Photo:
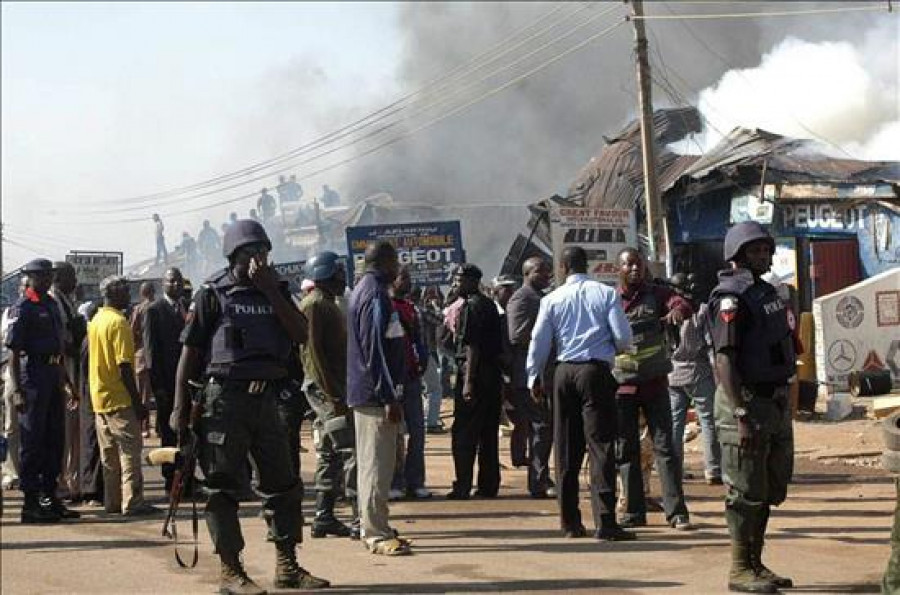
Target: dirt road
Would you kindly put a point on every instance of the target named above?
(832, 536)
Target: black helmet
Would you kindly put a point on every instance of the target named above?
(322, 266)
(742, 234)
(243, 232)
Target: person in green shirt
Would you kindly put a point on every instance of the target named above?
(325, 364)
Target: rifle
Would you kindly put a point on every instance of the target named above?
(185, 460)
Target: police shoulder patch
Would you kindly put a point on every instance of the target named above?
(728, 304)
(728, 307)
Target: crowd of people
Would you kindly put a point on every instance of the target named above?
(579, 371)
(200, 255)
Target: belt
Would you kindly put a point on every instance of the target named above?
(43, 358)
(586, 362)
(253, 387)
(766, 391)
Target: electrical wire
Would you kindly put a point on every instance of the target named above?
(432, 86)
(37, 231)
(754, 15)
(699, 39)
(444, 98)
(408, 133)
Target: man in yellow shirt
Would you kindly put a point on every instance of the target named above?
(116, 402)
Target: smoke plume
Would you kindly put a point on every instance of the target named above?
(842, 93)
(837, 74)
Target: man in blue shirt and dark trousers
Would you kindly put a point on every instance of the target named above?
(585, 320)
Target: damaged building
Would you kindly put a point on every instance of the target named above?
(836, 220)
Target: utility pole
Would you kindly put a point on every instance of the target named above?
(656, 220)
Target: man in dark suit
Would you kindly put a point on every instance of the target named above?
(532, 420)
(163, 323)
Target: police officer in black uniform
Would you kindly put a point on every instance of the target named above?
(35, 342)
(242, 324)
(755, 358)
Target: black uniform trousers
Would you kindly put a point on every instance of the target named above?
(585, 418)
(235, 423)
(292, 407)
(42, 427)
(476, 424)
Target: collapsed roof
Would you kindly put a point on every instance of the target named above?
(614, 177)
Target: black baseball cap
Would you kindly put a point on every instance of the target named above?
(469, 270)
(38, 265)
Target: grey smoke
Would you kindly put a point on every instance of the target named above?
(529, 142)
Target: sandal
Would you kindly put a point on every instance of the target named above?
(391, 547)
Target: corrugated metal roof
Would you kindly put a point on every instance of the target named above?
(614, 178)
(787, 160)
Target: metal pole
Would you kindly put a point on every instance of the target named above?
(656, 243)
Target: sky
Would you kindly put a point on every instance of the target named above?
(109, 100)
(104, 103)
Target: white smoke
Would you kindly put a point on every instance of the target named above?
(843, 94)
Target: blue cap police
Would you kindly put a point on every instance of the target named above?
(38, 265)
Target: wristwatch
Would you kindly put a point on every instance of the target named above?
(740, 413)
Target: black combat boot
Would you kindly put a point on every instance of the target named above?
(289, 574)
(234, 579)
(757, 542)
(33, 512)
(55, 506)
(325, 523)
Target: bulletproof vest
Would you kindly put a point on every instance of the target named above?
(649, 357)
(766, 353)
(249, 341)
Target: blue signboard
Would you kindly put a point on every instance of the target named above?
(292, 272)
(429, 249)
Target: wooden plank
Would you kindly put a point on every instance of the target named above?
(884, 406)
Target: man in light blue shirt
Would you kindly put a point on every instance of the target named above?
(586, 322)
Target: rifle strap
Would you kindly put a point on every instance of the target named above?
(195, 530)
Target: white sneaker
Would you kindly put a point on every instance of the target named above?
(421, 493)
(395, 495)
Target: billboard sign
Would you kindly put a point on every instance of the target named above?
(429, 249)
(93, 267)
(601, 232)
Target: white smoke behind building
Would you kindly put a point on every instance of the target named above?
(842, 93)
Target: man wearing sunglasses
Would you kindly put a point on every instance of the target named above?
(243, 324)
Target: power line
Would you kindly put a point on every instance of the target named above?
(444, 98)
(699, 39)
(430, 87)
(407, 133)
(51, 235)
(753, 15)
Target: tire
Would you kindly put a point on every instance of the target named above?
(890, 431)
(890, 460)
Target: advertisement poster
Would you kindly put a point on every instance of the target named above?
(858, 328)
(784, 261)
(601, 232)
(92, 267)
(429, 249)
